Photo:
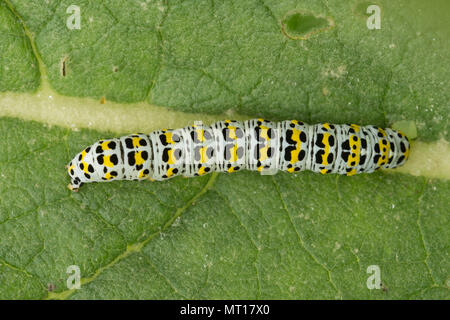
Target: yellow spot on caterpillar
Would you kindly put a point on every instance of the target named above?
(105, 145)
(136, 142)
(355, 127)
(201, 171)
(169, 137)
(108, 176)
(233, 154)
(295, 153)
(355, 148)
(263, 153)
(325, 141)
(107, 161)
(231, 130)
(172, 159)
(85, 165)
(71, 168)
(231, 169)
(384, 149)
(169, 172)
(200, 134)
(138, 158)
(142, 174)
(263, 133)
(203, 156)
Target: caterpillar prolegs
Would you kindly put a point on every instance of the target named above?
(230, 146)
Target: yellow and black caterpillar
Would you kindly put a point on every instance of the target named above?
(229, 146)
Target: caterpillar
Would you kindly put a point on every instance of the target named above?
(230, 146)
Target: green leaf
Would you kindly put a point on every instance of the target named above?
(220, 236)
(18, 66)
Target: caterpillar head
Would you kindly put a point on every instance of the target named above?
(101, 161)
(126, 158)
(78, 169)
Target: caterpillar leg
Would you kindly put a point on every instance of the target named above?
(73, 188)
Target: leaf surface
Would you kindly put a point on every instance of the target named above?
(301, 236)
